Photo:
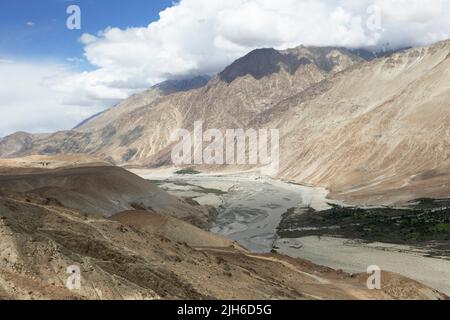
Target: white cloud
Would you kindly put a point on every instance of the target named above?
(201, 37)
(30, 23)
(30, 100)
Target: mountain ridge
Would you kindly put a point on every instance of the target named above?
(142, 253)
(313, 95)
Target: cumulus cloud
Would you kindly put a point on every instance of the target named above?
(201, 37)
(30, 100)
(195, 37)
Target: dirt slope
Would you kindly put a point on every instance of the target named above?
(373, 132)
(119, 261)
(172, 228)
(379, 131)
(101, 190)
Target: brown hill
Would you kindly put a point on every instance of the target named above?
(148, 258)
(101, 190)
(172, 228)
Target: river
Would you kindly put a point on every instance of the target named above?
(250, 209)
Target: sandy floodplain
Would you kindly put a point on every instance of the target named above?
(250, 209)
(355, 256)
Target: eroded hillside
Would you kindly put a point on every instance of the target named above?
(373, 132)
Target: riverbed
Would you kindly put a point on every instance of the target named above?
(250, 209)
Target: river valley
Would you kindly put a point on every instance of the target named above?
(250, 209)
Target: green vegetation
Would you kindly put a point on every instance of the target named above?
(208, 190)
(424, 223)
(200, 189)
(187, 171)
(442, 228)
(427, 203)
(194, 188)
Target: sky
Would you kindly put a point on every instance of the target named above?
(35, 29)
(52, 77)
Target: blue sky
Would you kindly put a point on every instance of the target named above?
(36, 29)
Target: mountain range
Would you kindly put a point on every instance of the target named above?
(373, 130)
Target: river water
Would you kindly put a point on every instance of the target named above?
(250, 210)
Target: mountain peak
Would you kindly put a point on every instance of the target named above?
(260, 63)
(173, 86)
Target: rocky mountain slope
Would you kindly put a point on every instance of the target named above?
(371, 131)
(139, 128)
(141, 99)
(380, 129)
(145, 254)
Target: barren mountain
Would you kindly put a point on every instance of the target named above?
(145, 254)
(375, 133)
(371, 131)
(139, 100)
(139, 128)
(93, 188)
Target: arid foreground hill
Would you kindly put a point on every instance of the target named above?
(129, 242)
(373, 131)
